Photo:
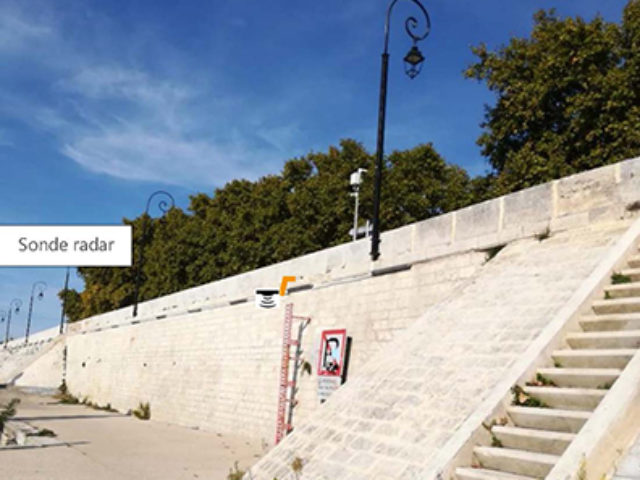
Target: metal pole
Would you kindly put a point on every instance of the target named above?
(296, 362)
(382, 106)
(64, 301)
(42, 286)
(6, 335)
(410, 25)
(26, 334)
(136, 291)
(355, 216)
(15, 303)
(164, 206)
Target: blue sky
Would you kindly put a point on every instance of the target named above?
(103, 102)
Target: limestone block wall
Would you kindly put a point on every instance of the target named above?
(45, 369)
(19, 355)
(207, 357)
(392, 419)
(218, 369)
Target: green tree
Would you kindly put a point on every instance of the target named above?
(419, 184)
(73, 306)
(568, 98)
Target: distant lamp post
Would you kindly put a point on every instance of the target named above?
(413, 64)
(165, 203)
(64, 301)
(356, 180)
(40, 287)
(15, 304)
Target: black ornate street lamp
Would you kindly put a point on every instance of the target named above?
(164, 205)
(41, 287)
(16, 303)
(64, 301)
(413, 64)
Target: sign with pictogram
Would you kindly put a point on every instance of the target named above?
(332, 353)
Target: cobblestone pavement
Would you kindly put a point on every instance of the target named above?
(99, 445)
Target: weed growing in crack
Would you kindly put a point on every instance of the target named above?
(7, 411)
(143, 412)
(618, 278)
(541, 381)
(495, 441)
(523, 399)
(235, 473)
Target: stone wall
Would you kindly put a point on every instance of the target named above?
(219, 369)
(207, 357)
(19, 355)
(406, 404)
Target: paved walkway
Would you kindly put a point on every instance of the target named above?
(107, 446)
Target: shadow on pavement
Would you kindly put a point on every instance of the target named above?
(38, 447)
(66, 417)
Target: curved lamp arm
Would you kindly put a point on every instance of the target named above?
(41, 286)
(410, 25)
(164, 204)
(16, 304)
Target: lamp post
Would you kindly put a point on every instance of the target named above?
(16, 303)
(41, 287)
(64, 301)
(164, 205)
(413, 64)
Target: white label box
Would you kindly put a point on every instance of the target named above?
(65, 245)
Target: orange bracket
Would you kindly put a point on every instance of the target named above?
(283, 284)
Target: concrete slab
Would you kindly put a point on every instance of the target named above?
(111, 446)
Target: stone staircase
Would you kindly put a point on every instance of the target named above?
(547, 413)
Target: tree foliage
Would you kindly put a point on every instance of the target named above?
(568, 98)
(246, 225)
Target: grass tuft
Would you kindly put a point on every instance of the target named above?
(618, 278)
(235, 473)
(143, 412)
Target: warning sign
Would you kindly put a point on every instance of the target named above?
(332, 353)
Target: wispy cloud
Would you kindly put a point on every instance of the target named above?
(17, 33)
(115, 82)
(120, 118)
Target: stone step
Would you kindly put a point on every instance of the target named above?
(606, 340)
(634, 262)
(568, 398)
(598, 358)
(557, 420)
(616, 305)
(621, 321)
(483, 474)
(633, 273)
(519, 462)
(581, 377)
(529, 439)
(623, 290)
